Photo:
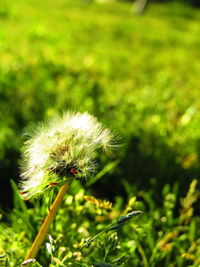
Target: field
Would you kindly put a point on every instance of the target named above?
(140, 76)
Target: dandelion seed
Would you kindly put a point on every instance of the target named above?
(22, 193)
(53, 184)
(63, 148)
(73, 171)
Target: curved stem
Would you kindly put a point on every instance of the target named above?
(45, 227)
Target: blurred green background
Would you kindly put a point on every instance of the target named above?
(138, 72)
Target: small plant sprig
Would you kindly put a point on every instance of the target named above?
(119, 223)
(59, 152)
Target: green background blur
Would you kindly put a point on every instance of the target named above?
(138, 74)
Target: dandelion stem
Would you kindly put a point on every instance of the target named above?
(45, 227)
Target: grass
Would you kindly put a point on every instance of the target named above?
(140, 76)
(159, 236)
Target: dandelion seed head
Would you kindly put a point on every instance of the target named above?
(62, 148)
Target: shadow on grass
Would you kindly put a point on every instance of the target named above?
(146, 167)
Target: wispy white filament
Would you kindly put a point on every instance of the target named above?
(62, 148)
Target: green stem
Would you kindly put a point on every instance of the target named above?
(142, 253)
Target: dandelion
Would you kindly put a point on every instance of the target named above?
(62, 149)
(58, 152)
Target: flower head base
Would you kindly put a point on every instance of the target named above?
(63, 148)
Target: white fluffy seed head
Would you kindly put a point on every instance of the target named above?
(62, 148)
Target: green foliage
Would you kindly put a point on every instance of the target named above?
(158, 237)
(131, 72)
(140, 76)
